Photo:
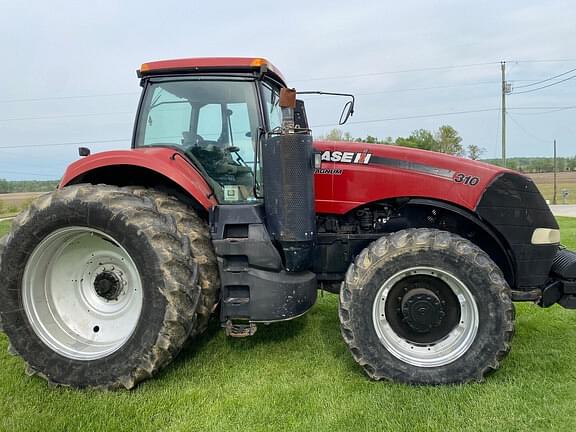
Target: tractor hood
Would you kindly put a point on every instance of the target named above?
(353, 174)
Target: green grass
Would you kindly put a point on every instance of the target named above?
(9, 210)
(547, 190)
(299, 376)
(4, 227)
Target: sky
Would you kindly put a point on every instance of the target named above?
(68, 75)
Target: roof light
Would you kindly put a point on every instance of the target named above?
(257, 62)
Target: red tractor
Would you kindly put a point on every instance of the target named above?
(224, 203)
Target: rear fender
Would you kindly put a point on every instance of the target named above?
(153, 167)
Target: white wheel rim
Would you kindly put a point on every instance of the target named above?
(442, 352)
(60, 297)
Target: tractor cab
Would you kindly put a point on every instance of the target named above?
(218, 119)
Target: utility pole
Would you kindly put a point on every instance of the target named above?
(555, 170)
(506, 89)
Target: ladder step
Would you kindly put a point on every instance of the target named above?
(239, 330)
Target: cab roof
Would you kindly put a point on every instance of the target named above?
(210, 64)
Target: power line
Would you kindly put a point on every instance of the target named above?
(568, 60)
(65, 143)
(547, 79)
(546, 86)
(549, 111)
(449, 113)
(422, 69)
(526, 131)
(65, 116)
(401, 71)
(441, 114)
(4, 101)
(431, 68)
(412, 89)
(542, 107)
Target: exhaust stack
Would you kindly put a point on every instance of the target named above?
(288, 174)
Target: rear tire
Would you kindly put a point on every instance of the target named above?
(196, 229)
(97, 287)
(423, 306)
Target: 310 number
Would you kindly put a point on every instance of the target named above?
(466, 179)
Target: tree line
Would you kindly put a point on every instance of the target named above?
(7, 186)
(445, 140)
(537, 164)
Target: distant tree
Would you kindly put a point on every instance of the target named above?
(421, 138)
(445, 140)
(513, 165)
(448, 141)
(338, 135)
(4, 186)
(334, 135)
(474, 152)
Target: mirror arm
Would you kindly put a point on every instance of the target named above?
(351, 102)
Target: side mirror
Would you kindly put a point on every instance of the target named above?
(287, 103)
(83, 151)
(300, 118)
(347, 112)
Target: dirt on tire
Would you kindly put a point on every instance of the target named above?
(197, 231)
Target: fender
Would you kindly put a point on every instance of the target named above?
(509, 266)
(166, 162)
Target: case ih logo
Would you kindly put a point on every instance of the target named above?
(346, 157)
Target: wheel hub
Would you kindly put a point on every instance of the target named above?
(422, 310)
(108, 286)
(425, 316)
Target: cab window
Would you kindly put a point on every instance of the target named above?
(215, 123)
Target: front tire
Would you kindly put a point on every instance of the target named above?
(98, 288)
(423, 306)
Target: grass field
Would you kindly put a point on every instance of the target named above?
(12, 203)
(299, 376)
(565, 181)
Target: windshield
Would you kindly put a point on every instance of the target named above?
(214, 122)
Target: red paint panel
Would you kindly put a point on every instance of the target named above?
(397, 172)
(156, 159)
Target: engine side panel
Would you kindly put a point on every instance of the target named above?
(353, 174)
